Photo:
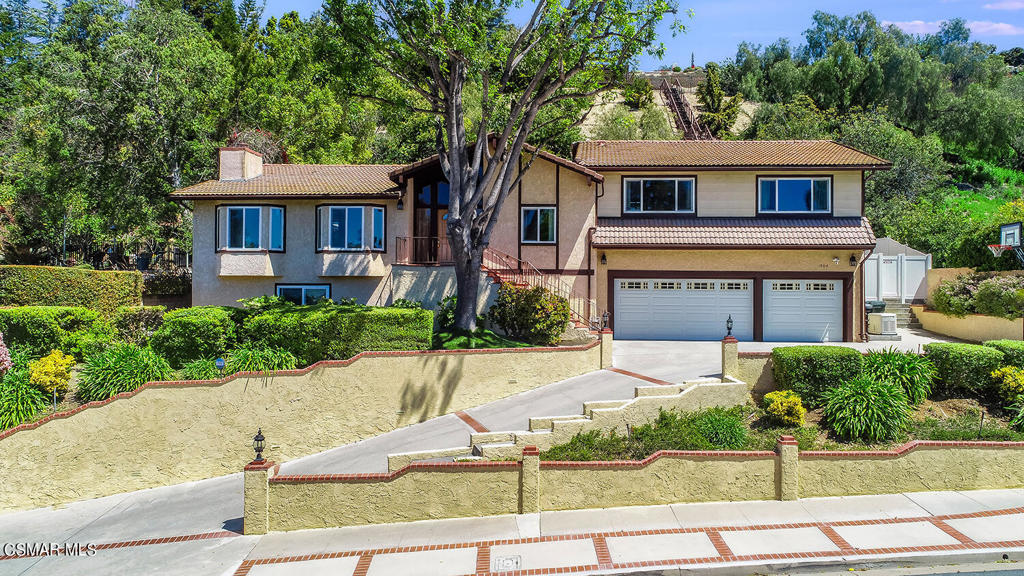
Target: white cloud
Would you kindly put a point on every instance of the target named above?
(980, 27)
(1006, 5)
(915, 26)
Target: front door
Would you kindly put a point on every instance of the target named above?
(429, 224)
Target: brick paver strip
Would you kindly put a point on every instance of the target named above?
(713, 533)
(483, 560)
(363, 566)
(960, 536)
(147, 542)
(471, 422)
(604, 557)
(640, 376)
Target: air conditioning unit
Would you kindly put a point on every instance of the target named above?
(881, 323)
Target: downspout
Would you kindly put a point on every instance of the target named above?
(865, 254)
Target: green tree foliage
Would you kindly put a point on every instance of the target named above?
(619, 123)
(717, 112)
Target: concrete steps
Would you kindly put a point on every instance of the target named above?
(904, 314)
(604, 415)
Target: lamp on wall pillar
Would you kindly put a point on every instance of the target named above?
(258, 445)
(604, 258)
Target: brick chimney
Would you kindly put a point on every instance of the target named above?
(240, 163)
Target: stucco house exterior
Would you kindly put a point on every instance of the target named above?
(671, 238)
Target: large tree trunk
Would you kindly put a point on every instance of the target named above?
(467, 278)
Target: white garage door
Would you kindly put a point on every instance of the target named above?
(685, 309)
(803, 310)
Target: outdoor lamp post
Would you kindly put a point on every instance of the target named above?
(728, 326)
(258, 443)
(220, 366)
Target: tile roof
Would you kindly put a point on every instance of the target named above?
(529, 150)
(734, 232)
(302, 181)
(724, 154)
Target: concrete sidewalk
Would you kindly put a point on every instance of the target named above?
(759, 536)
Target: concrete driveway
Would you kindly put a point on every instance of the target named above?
(673, 361)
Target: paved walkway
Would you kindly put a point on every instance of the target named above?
(760, 536)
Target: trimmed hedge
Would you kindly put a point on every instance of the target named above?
(40, 329)
(1012, 349)
(105, 291)
(961, 368)
(328, 331)
(189, 334)
(811, 371)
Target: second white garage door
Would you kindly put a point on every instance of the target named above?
(683, 309)
(803, 310)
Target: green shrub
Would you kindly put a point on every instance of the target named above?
(530, 313)
(1000, 296)
(136, 324)
(20, 401)
(784, 408)
(251, 358)
(913, 372)
(104, 291)
(175, 282)
(403, 303)
(955, 297)
(445, 313)
(811, 371)
(329, 331)
(52, 373)
(482, 338)
(709, 429)
(188, 334)
(867, 409)
(200, 370)
(40, 329)
(590, 446)
(121, 368)
(963, 368)
(1010, 382)
(1013, 351)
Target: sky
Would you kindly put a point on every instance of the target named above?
(717, 27)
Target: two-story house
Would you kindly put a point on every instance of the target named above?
(671, 238)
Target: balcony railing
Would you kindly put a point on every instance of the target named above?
(424, 250)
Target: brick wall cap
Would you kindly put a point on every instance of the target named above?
(264, 465)
(531, 451)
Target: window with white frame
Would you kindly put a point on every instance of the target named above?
(539, 225)
(250, 228)
(304, 293)
(794, 195)
(658, 195)
(350, 228)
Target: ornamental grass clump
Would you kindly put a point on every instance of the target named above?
(20, 401)
(259, 359)
(200, 370)
(121, 368)
(913, 372)
(868, 410)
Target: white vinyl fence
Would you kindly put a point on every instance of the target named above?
(896, 277)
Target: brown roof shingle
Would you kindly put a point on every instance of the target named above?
(302, 181)
(734, 232)
(724, 154)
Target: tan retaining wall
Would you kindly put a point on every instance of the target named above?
(170, 432)
(755, 368)
(974, 327)
(432, 491)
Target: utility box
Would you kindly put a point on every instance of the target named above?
(880, 323)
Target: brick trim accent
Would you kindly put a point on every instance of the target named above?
(604, 557)
(960, 536)
(907, 448)
(363, 566)
(471, 422)
(483, 559)
(296, 372)
(254, 465)
(148, 542)
(635, 464)
(719, 543)
(836, 539)
(531, 451)
(657, 381)
(388, 476)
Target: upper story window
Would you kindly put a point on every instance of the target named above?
(350, 227)
(794, 195)
(658, 195)
(250, 228)
(539, 225)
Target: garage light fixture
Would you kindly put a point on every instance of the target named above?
(604, 258)
(853, 260)
(835, 260)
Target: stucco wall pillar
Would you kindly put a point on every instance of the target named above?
(788, 468)
(730, 357)
(529, 481)
(606, 348)
(256, 497)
